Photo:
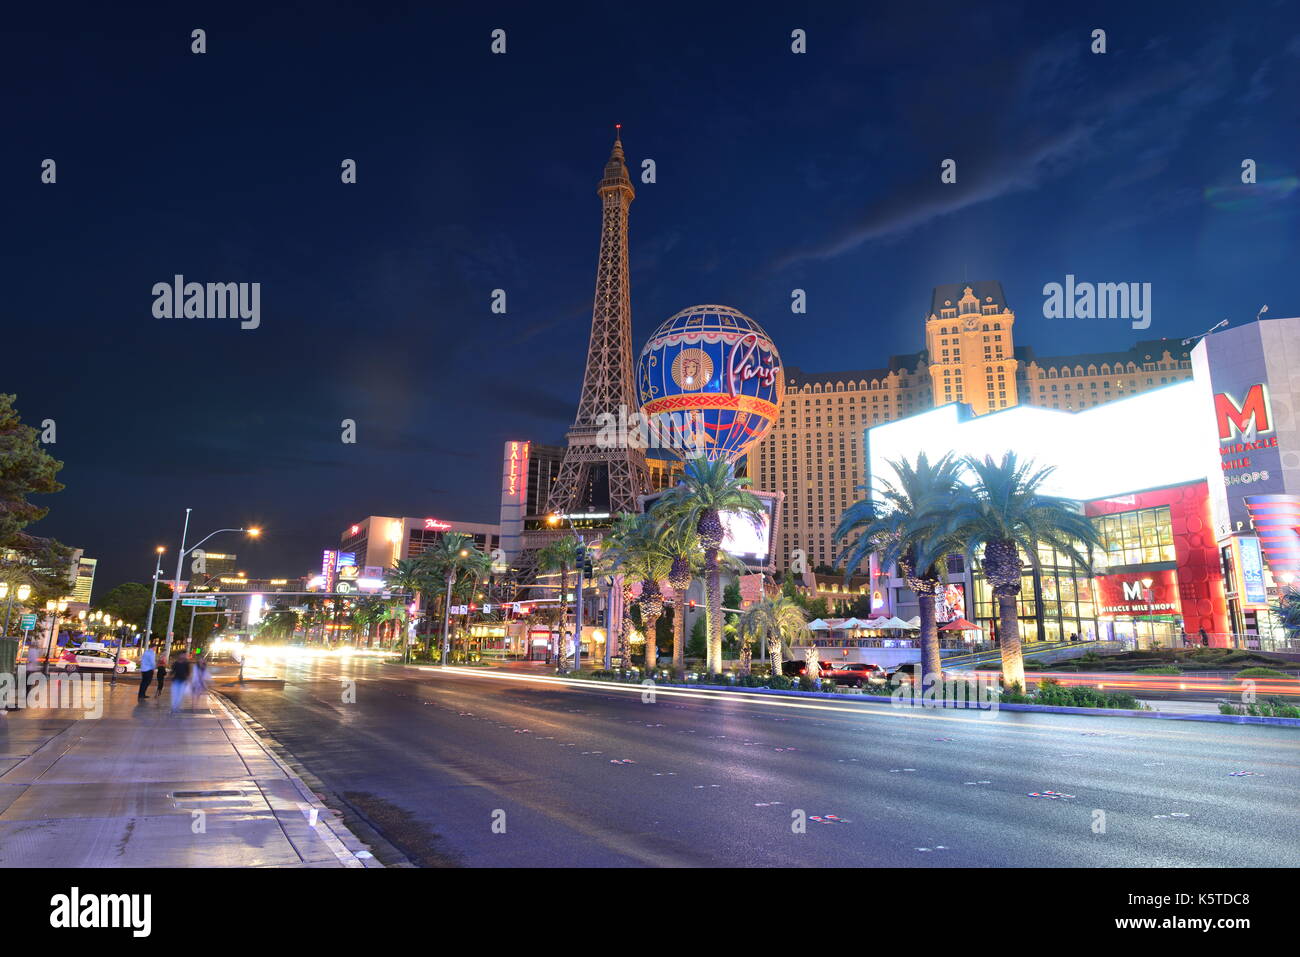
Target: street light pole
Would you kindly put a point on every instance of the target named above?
(180, 559)
(176, 582)
(577, 614)
(153, 594)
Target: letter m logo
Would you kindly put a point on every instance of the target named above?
(1132, 591)
(1252, 417)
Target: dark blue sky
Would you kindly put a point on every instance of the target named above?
(476, 171)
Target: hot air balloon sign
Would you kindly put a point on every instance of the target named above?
(709, 383)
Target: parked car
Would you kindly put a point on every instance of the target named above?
(857, 674)
(799, 668)
(95, 659)
(906, 674)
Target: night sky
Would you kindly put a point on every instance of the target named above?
(477, 171)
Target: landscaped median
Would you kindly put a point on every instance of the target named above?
(1089, 701)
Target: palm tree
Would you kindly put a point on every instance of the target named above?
(365, 615)
(614, 551)
(1004, 511)
(408, 577)
(278, 624)
(455, 558)
(636, 549)
(905, 525)
(707, 491)
(774, 623)
(561, 556)
(681, 544)
(1287, 611)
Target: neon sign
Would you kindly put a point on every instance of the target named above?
(517, 472)
(435, 524)
(748, 364)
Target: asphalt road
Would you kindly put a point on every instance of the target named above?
(599, 778)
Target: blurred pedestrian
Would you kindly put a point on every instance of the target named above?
(33, 662)
(162, 667)
(148, 662)
(199, 678)
(180, 679)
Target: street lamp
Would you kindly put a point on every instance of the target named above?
(55, 608)
(153, 592)
(180, 558)
(23, 592)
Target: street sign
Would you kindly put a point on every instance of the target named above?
(27, 622)
(200, 602)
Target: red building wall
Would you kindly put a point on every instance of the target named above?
(1200, 578)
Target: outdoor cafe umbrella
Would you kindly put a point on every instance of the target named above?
(960, 624)
(897, 623)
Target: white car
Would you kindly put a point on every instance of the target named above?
(94, 659)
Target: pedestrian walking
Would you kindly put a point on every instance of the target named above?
(162, 668)
(180, 679)
(199, 679)
(148, 662)
(33, 663)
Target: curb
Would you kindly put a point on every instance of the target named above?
(347, 847)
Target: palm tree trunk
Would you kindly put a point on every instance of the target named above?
(562, 644)
(929, 639)
(446, 618)
(625, 634)
(679, 633)
(774, 655)
(651, 622)
(713, 599)
(1013, 662)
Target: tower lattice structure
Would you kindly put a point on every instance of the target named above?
(608, 474)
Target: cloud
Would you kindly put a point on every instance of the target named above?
(1049, 118)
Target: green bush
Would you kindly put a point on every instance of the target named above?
(779, 683)
(1164, 670)
(1272, 708)
(1258, 672)
(806, 683)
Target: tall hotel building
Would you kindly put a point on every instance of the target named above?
(814, 454)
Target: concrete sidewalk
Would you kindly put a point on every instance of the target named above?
(143, 787)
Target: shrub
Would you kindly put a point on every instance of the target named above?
(1258, 672)
(779, 683)
(1164, 670)
(806, 683)
(1272, 708)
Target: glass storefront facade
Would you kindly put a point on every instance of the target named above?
(1138, 544)
(1139, 537)
(1056, 600)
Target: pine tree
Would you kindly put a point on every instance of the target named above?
(27, 469)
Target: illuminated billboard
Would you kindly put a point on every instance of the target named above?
(1117, 447)
(741, 537)
(744, 539)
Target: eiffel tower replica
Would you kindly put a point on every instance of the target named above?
(593, 479)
